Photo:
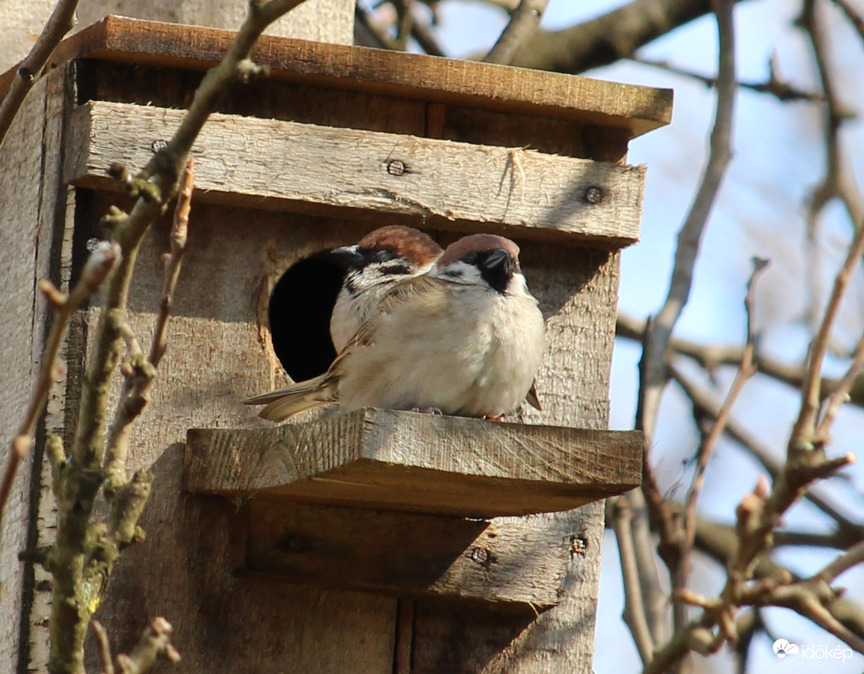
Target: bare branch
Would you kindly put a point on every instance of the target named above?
(844, 562)
(404, 22)
(775, 86)
(705, 405)
(712, 356)
(660, 331)
(706, 448)
(635, 615)
(154, 643)
(609, 37)
(152, 190)
(523, 23)
(854, 18)
(804, 431)
(100, 265)
(61, 21)
(104, 646)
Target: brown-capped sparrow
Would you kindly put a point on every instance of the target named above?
(466, 339)
(374, 265)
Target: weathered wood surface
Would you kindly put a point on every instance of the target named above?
(429, 78)
(22, 233)
(185, 569)
(323, 170)
(404, 554)
(418, 462)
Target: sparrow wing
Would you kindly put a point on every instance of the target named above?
(410, 290)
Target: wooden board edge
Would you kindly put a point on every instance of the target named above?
(380, 71)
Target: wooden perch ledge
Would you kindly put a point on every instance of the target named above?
(416, 462)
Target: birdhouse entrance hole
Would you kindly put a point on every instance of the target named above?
(299, 315)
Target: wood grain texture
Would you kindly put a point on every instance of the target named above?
(55, 250)
(185, 569)
(20, 303)
(418, 462)
(428, 78)
(406, 555)
(322, 170)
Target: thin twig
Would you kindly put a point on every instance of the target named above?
(154, 643)
(706, 448)
(854, 18)
(151, 190)
(404, 22)
(61, 21)
(376, 33)
(102, 261)
(840, 395)
(138, 370)
(804, 430)
(104, 646)
(523, 23)
(653, 373)
(775, 86)
(635, 614)
(690, 235)
(852, 557)
(712, 356)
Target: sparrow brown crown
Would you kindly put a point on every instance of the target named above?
(478, 243)
(405, 242)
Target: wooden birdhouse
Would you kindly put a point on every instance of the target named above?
(372, 541)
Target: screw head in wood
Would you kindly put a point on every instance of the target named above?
(158, 145)
(396, 167)
(593, 195)
(578, 545)
(480, 556)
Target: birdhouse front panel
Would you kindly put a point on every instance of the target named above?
(267, 559)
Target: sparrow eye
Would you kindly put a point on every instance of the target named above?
(384, 255)
(470, 258)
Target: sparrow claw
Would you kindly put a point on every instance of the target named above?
(426, 410)
(493, 417)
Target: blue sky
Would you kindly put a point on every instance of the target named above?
(778, 158)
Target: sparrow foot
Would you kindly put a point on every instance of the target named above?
(426, 410)
(494, 417)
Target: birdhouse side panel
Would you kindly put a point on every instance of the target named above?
(32, 237)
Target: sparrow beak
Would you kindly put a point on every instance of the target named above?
(350, 257)
(499, 258)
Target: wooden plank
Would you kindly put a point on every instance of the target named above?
(56, 217)
(406, 554)
(427, 78)
(21, 233)
(323, 170)
(418, 462)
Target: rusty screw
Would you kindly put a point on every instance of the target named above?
(593, 195)
(480, 556)
(578, 545)
(396, 168)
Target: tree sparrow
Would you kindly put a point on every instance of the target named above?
(380, 260)
(466, 339)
